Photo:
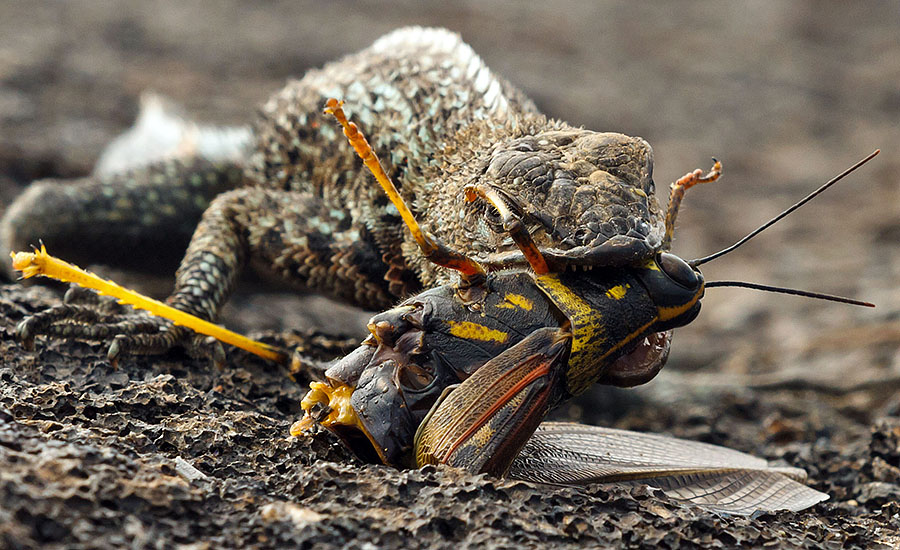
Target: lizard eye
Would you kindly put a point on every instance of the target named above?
(678, 270)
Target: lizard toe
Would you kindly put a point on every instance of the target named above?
(25, 333)
(199, 346)
(162, 340)
(133, 330)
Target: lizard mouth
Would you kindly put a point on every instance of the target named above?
(641, 364)
(617, 251)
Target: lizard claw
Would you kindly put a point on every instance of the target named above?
(25, 333)
(218, 356)
(209, 348)
(86, 316)
(115, 350)
(78, 295)
(196, 345)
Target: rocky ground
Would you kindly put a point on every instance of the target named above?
(170, 452)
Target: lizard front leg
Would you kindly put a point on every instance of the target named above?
(141, 218)
(293, 235)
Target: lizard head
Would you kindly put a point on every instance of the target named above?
(587, 198)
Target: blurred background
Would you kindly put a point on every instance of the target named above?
(785, 94)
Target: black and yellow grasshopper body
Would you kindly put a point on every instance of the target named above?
(465, 374)
(528, 344)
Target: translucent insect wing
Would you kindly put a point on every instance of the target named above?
(716, 478)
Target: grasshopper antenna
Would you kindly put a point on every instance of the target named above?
(763, 227)
(795, 292)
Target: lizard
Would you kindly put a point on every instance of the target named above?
(295, 202)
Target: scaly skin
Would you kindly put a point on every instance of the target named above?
(309, 212)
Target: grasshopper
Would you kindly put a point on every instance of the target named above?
(465, 374)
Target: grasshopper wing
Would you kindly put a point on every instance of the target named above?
(709, 476)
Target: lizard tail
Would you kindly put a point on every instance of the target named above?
(142, 218)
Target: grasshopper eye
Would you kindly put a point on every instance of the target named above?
(678, 270)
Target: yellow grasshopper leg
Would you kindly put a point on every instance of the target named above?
(41, 263)
(471, 271)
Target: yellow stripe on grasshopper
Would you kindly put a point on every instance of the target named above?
(587, 332)
(670, 312)
(618, 292)
(474, 331)
(512, 300)
(40, 262)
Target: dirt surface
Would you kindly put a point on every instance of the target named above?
(169, 452)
